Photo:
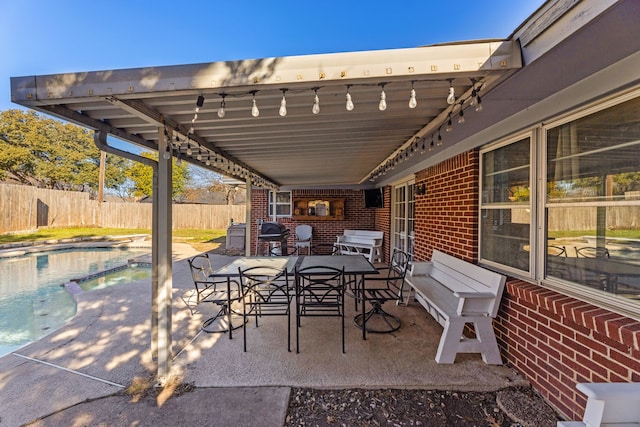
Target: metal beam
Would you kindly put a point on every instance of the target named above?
(163, 235)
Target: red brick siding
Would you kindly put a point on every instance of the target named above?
(557, 341)
(383, 223)
(324, 232)
(446, 215)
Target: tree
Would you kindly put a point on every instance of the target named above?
(142, 177)
(43, 152)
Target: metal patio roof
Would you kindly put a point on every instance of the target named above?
(334, 148)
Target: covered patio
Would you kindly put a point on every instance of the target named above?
(337, 124)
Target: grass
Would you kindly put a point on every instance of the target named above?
(202, 240)
(621, 234)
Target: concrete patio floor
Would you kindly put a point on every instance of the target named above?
(107, 345)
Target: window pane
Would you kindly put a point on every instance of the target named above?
(596, 247)
(506, 233)
(595, 160)
(597, 157)
(505, 236)
(505, 174)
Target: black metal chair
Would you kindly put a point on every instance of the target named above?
(266, 292)
(592, 252)
(319, 293)
(377, 290)
(212, 291)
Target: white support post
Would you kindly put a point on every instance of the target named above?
(163, 235)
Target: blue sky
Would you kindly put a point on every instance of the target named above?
(49, 37)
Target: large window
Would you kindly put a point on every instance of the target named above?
(279, 204)
(592, 200)
(577, 225)
(505, 219)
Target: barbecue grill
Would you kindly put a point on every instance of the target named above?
(273, 232)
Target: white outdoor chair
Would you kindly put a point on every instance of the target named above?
(303, 236)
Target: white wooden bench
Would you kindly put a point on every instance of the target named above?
(361, 242)
(456, 293)
(609, 404)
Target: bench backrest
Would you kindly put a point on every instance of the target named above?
(366, 237)
(367, 234)
(462, 276)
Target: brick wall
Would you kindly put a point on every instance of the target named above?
(356, 216)
(383, 223)
(557, 341)
(447, 214)
(553, 340)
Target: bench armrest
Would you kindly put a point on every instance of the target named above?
(608, 391)
(474, 303)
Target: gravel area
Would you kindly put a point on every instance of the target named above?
(400, 407)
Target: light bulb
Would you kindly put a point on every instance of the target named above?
(349, 105)
(413, 103)
(474, 94)
(479, 104)
(221, 111)
(449, 127)
(451, 99)
(316, 105)
(254, 108)
(199, 156)
(208, 162)
(431, 145)
(383, 101)
(189, 150)
(283, 106)
(461, 117)
(439, 139)
(167, 154)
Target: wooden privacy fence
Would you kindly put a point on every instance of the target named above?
(24, 208)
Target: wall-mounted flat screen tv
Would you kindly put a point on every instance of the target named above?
(373, 198)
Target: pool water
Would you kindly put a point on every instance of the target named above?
(33, 301)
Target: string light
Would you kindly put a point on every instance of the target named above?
(413, 103)
(439, 138)
(283, 104)
(479, 107)
(221, 110)
(474, 94)
(423, 148)
(167, 152)
(316, 103)
(451, 98)
(449, 127)
(431, 145)
(461, 114)
(349, 105)
(254, 107)
(189, 150)
(382, 105)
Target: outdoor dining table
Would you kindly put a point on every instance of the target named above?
(353, 265)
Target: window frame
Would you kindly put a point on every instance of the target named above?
(602, 299)
(538, 205)
(531, 134)
(273, 204)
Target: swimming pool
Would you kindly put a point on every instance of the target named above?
(33, 301)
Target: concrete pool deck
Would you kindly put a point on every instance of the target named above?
(77, 374)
